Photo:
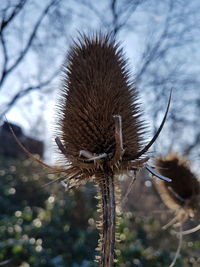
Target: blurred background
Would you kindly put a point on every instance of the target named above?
(44, 225)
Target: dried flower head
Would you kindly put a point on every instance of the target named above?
(98, 104)
(100, 123)
(182, 195)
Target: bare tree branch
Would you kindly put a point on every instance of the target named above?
(194, 144)
(152, 48)
(16, 10)
(26, 91)
(119, 15)
(115, 16)
(123, 14)
(5, 55)
(97, 12)
(23, 53)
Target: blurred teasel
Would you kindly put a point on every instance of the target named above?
(182, 195)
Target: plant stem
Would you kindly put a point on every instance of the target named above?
(107, 190)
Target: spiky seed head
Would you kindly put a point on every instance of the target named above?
(96, 88)
(184, 190)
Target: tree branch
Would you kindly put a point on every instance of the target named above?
(196, 143)
(5, 55)
(29, 42)
(26, 91)
(123, 14)
(16, 10)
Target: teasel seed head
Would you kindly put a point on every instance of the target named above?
(97, 88)
(99, 119)
(182, 195)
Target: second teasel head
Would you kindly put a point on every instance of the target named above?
(182, 195)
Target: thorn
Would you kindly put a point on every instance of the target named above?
(153, 172)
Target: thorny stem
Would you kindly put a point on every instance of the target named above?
(107, 191)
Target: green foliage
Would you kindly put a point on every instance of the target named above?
(136, 246)
(48, 227)
(43, 226)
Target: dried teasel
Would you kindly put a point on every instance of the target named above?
(181, 196)
(100, 130)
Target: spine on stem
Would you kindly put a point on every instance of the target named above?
(108, 219)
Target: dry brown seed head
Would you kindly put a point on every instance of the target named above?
(96, 89)
(183, 193)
